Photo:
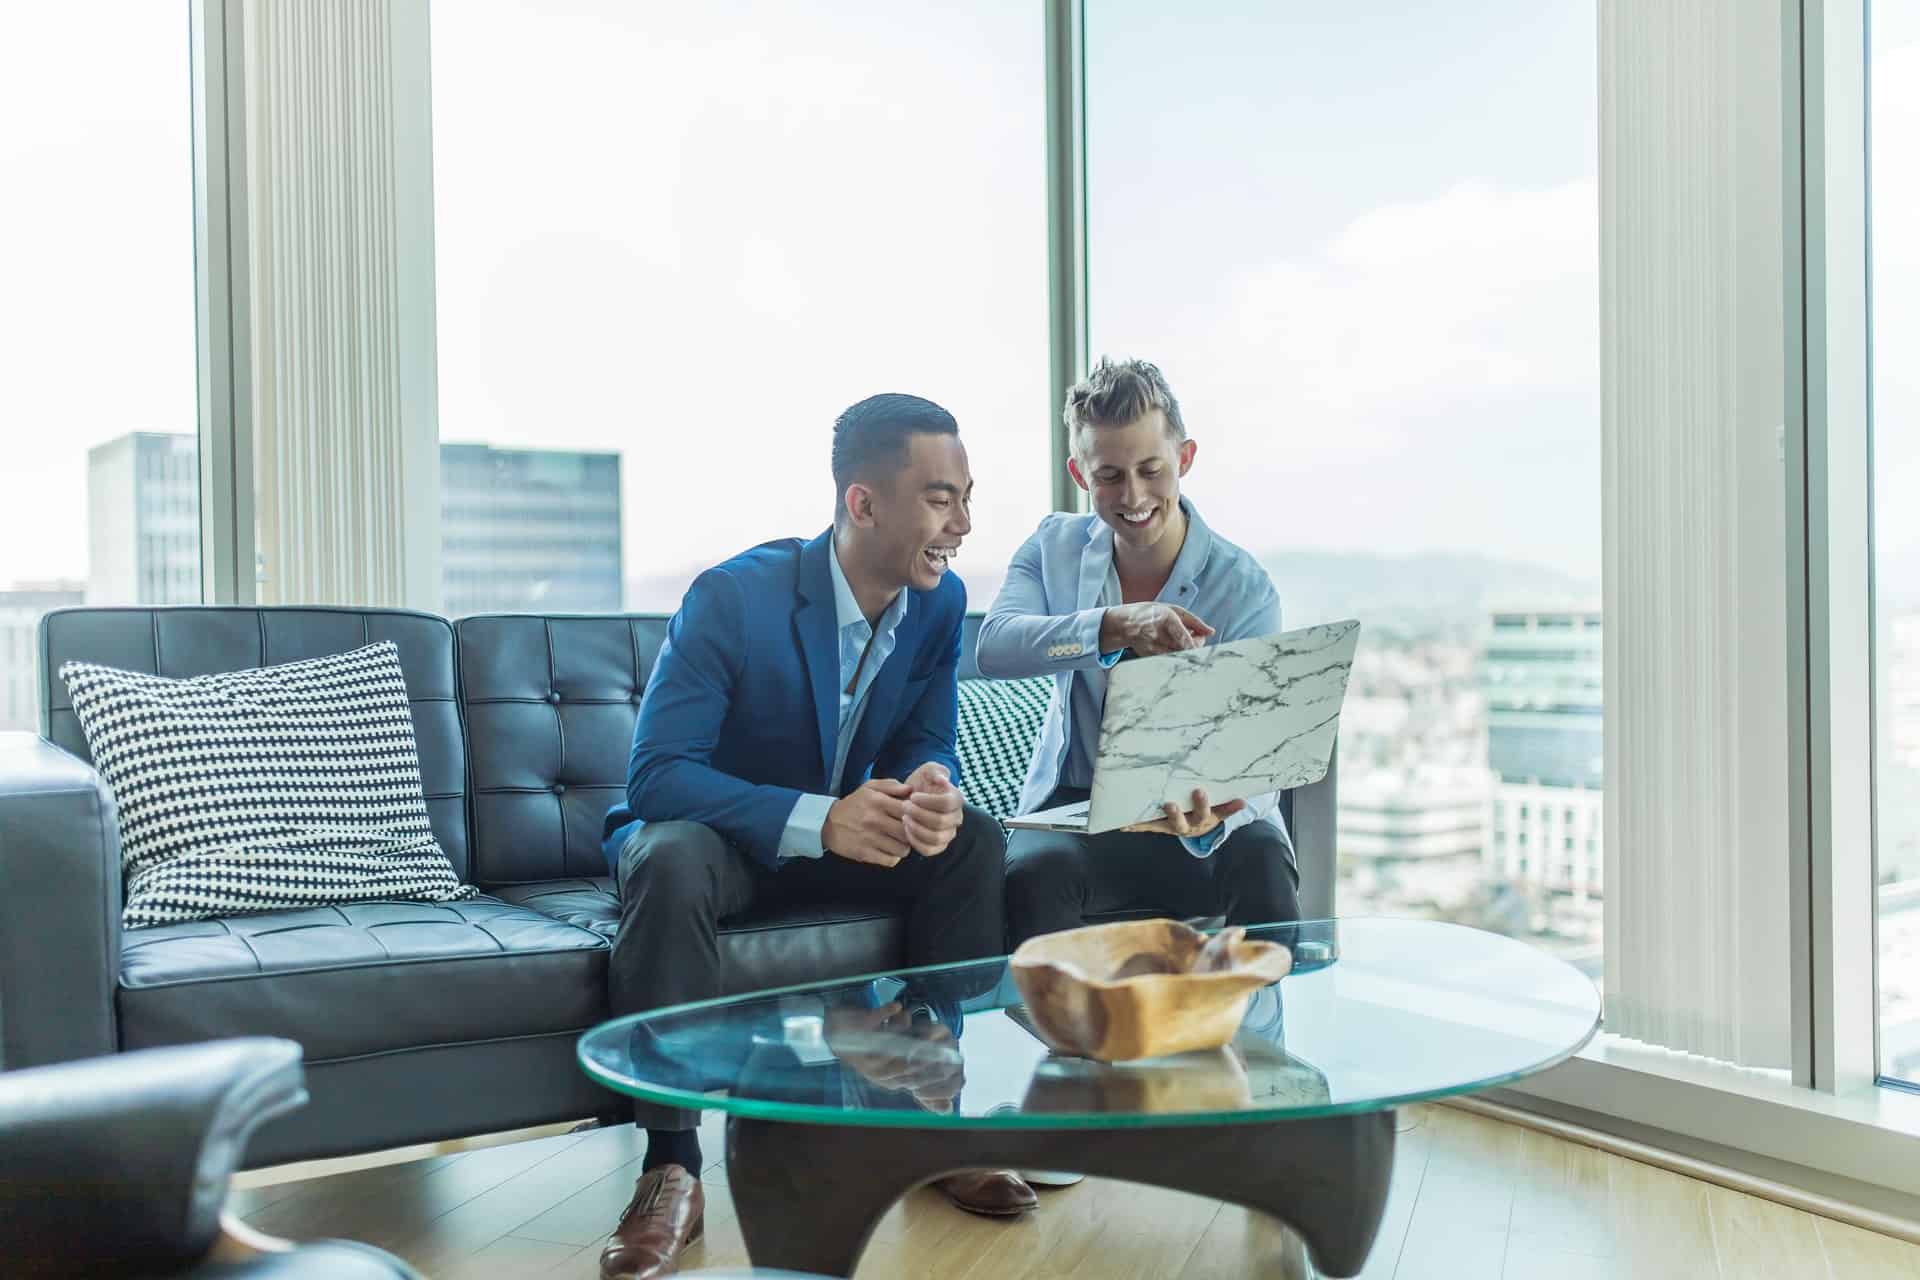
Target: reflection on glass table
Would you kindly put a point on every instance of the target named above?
(923, 1072)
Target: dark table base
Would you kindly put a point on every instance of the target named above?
(809, 1196)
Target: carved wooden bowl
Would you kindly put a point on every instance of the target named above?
(1142, 988)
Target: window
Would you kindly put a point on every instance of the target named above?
(99, 493)
(1894, 77)
(1385, 342)
(692, 235)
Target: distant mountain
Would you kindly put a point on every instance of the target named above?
(1438, 590)
(1416, 594)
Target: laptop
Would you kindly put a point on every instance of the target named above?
(1239, 719)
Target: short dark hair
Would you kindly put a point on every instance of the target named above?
(1117, 393)
(872, 437)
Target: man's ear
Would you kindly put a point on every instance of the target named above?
(858, 501)
(1073, 469)
(1187, 449)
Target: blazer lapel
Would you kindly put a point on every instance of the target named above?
(817, 625)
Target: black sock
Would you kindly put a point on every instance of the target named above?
(673, 1146)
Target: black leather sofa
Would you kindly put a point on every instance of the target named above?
(418, 1022)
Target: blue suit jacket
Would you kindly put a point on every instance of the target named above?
(742, 710)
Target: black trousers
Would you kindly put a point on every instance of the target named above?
(1056, 879)
(678, 880)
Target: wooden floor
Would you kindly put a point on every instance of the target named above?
(1471, 1198)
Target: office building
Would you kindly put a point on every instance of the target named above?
(1542, 680)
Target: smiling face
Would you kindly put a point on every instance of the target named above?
(912, 523)
(1132, 473)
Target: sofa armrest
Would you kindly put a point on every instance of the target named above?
(1315, 831)
(59, 906)
(122, 1162)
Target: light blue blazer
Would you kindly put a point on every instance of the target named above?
(1046, 621)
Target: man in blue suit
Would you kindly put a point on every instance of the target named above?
(1143, 574)
(796, 744)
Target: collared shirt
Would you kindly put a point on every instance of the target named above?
(801, 838)
(1087, 705)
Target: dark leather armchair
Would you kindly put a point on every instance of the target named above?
(118, 1166)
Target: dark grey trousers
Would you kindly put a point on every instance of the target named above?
(679, 880)
(1056, 879)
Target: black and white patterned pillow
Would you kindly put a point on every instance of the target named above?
(999, 723)
(246, 791)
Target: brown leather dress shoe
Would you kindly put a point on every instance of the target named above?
(996, 1193)
(667, 1213)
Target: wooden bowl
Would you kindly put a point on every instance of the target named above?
(1142, 988)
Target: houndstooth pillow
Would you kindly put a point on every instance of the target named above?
(246, 791)
(999, 723)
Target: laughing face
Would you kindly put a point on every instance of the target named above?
(1132, 473)
(922, 516)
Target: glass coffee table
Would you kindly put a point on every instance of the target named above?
(841, 1097)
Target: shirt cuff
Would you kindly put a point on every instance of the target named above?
(1108, 659)
(801, 837)
(1203, 846)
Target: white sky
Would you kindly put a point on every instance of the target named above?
(1360, 239)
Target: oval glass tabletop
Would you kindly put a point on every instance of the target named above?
(1376, 1013)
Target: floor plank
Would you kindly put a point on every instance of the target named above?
(1458, 1230)
(502, 1209)
(1761, 1239)
(1853, 1254)
(1412, 1144)
(388, 1206)
(1660, 1225)
(1560, 1201)
(507, 1256)
(1470, 1197)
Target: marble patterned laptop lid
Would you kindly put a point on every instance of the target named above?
(1240, 719)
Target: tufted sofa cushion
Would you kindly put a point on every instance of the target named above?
(767, 947)
(550, 705)
(366, 978)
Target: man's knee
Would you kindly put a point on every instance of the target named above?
(1042, 864)
(980, 837)
(671, 860)
(1258, 866)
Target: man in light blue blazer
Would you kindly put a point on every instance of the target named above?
(1142, 575)
(795, 744)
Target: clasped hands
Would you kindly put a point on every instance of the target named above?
(882, 821)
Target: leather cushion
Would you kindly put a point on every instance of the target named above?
(365, 978)
(550, 706)
(767, 947)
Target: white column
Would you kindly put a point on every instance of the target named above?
(340, 223)
(1694, 529)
